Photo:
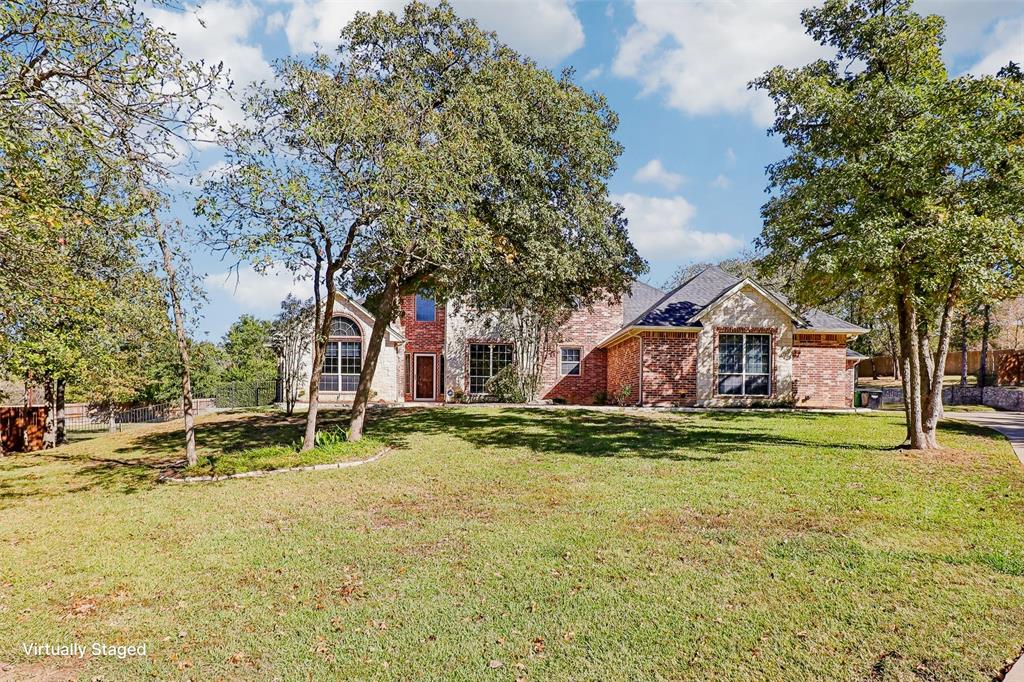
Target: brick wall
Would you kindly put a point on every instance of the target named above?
(422, 337)
(821, 374)
(584, 329)
(624, 370)
(669, 368)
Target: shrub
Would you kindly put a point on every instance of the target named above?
(600, 398)
(623, 395)
(509, 386)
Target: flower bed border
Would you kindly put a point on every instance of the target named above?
(259, 473)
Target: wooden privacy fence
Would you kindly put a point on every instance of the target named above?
(881, 365)
(22, 428)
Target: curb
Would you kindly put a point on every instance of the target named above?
(269, 472)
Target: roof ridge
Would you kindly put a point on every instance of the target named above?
(666, 296)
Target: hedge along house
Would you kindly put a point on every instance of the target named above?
(715, 340)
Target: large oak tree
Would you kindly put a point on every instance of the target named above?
(421, 154)
(900, 181)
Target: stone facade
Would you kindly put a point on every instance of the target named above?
(822, 376)
(675, 366)
(385, 384)
(746, 311)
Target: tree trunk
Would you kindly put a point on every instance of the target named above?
(383, 317)
(50, 396)
(60, 419)
(187, 406)
(933, 409)
(963, 351)
(982, 374)
(911, 361)
(321, 332)
(894, 352)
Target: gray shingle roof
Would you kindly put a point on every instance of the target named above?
(640, 297)
(679, 307)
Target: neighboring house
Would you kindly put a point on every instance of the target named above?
(715, 340)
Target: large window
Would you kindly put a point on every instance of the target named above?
(425, 309)
(744, 364)
(569, 362)
(486, 360)
(344, 357)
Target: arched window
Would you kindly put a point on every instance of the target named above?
(343, 357)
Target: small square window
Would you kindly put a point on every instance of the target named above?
(425, 309)
(570, 362)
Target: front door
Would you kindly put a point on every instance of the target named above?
(424, 377)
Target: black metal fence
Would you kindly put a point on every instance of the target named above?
(81, 417)
(245, 393)
(95, 418)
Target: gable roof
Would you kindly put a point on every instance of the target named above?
(684, 305)
(640, 297)
(359, 307)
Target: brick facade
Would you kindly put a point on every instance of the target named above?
(822, 377)
(422, 338)
(624, 370)
(669, 368)
(662, 368)
(584, 330)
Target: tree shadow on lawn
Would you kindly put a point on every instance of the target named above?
(594, 433)
(137, 463)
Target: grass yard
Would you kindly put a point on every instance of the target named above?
(515, 543)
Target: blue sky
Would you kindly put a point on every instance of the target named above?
(692, 173)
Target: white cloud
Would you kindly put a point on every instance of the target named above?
(702, 54)
(219, 31)
(730, 156)
(593, 73)
(547, 30)
(721, 181)
(660, 229)
(654, 172)
(320, 21)
(255, 292)
(1006, 44)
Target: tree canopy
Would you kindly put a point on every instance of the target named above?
(425, 155)
(899, 181)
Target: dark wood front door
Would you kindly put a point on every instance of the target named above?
(424, 377)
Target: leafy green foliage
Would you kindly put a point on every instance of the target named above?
(248, 351)
(900, 181)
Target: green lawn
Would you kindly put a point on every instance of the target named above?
(496, 544)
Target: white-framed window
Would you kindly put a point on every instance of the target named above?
(569, 361)
(426, 310)
(486, 360)
(343, 357)
(744, 364)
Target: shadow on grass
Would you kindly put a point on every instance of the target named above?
(598, 433)
(137, 463)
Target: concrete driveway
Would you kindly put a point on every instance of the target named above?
(1010, 424)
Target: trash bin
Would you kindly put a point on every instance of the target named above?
(874, 399)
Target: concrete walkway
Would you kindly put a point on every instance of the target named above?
(1010, 424)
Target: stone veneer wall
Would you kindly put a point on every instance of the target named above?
(747, 310)
(386, 382)
(822, 377)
